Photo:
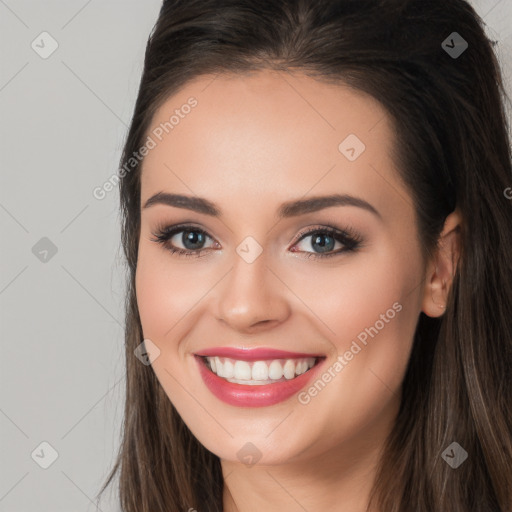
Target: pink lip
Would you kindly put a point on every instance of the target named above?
(253, 354)
(241, 395)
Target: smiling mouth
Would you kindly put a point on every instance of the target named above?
(259, 373)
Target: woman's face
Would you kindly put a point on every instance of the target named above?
(337, 282)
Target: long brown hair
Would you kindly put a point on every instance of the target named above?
(452, 150)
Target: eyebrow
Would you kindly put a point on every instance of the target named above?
(288, 209)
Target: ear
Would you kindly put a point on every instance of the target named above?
(442, 266)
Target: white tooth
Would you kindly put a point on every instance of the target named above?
(259, 371)
(211, 360)
(242, 370)
(275, 370)
(300, 369)
(289, 369)
(228, 369)
(311, 362)
(219, 367)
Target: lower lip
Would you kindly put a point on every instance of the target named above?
(241, 395)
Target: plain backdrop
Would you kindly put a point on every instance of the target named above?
(63, 120)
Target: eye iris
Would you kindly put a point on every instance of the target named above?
(320, 240)
(194, 238)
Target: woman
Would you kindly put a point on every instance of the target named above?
(318, 233)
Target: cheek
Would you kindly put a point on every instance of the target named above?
(151, 298)
(166, 291)
(165, 300)
(362, 294)
(371, 312)
(371, 308)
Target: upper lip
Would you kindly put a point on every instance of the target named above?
(253, 354)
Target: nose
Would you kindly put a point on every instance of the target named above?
(252, 298)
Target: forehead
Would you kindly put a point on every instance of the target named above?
(272, 133)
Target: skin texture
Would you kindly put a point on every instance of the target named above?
(252, 143)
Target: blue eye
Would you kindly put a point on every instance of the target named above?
(323, 240)
(192, 238)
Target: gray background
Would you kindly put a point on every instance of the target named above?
(63, 122)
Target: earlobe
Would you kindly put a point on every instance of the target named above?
(442, 267)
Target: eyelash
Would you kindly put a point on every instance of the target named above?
(350, 239)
